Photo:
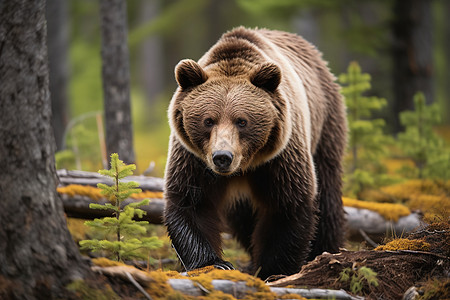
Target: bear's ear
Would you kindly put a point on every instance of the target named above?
(267, 77)
(188, 74)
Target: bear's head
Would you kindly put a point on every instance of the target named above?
(232, 123)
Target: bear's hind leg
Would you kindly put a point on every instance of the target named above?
(328, 158)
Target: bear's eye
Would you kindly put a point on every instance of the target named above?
(241, 122)
(208, 122)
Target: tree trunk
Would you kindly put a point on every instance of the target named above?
(412, 54)
(58, 42)
(37, 254)
(116, 79)
(151, 55)
(446, 37)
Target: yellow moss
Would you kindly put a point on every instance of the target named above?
(430, 197)
(81, 190)
(387, 210)
(405, 244)
(148, 194)
(159, 288)
(197, 272)
(104, 262)
(94, 193)
(77, 228)
(404, 191)
(218, 295)
(291, 296)
(261, 288)
(173, 274)
(435, 207)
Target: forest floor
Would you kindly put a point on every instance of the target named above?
(420, 260)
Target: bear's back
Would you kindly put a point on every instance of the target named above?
(259, 45)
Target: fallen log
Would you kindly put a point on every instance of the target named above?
(376, 226)
(238, 289)
(370, 222)
(78, 207)
(67, 177)
(360, 222)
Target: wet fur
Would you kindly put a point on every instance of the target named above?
(284, 206)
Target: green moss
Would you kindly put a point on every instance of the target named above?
(435, 289)
(82, 290)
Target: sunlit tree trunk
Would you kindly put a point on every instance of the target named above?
(38, 257)
(116, 79)
(412, 54)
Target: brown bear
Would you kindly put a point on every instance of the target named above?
(258, 133)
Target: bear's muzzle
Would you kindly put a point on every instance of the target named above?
(222, 160)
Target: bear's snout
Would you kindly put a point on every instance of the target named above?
(222, 159)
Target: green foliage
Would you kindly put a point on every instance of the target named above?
(166, 22)
(358, 277)
(367, 143)
(65, 159)
(419, 142)
(82, 146)
(83, 290)
(127, 245)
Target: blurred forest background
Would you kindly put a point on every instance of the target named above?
(403, 45)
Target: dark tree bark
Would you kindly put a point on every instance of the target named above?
(412, 54)
(37, 254)
(116, 80)
(58, 42)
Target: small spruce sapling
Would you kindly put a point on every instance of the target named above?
(367, 143)
(122, 225)
(419, 142)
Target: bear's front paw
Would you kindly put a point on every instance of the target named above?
(223, 265)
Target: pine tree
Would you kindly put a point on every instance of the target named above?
(420, 143)
(122, 225)
(367, 143)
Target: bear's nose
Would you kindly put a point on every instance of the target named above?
(222, 159)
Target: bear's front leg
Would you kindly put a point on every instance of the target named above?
(195, 236)
(281, 243)
(286, 215)
(191, 216)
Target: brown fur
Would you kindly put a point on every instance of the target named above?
(267, 98)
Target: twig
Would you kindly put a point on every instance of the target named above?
(367, 238)
(138, 286)
(179, 257)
